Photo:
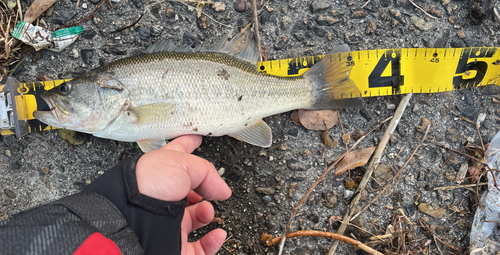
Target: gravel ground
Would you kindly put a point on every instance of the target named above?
(266, 183)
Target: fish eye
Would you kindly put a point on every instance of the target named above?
(64, 88)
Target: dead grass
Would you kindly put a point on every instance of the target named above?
(10, 47)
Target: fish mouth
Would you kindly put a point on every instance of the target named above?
(49, 117)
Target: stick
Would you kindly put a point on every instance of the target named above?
(420, 8)
(256, 27)
(373, 163)
(20, 9)
(294, 211)
(397, 173)
(269, 240)
(460, 186)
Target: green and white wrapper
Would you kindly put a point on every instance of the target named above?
(41, 38)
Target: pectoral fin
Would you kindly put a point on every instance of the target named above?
(258, 134)
(147, 145)
(146, 114)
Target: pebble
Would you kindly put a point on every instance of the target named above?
(63, 17)
(420, 23)
(415, 108)
(84, 6)
(46, 170)
(89, 34)
(330, 142)
(348, 193)
(267, 199)
(10, 194)
(457, 43)
(8, 153)
(293, 187)
(358, 15)
(114, 50)
(203, 23)
(221, 171)
(85, 55)
(267, 191)
(326, 20)
(144, 33)
(428, 209)
(281, 43)
(370, 29)
(393, 140)
(320, 5)
(239, 5)
(296, 166)
(74, 53)
(365, 114)
(169, 13)
(410, 179)
(391, 106)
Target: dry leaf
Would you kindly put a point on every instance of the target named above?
(295, 118)
(354, 159)
(36, 9)
(317, 119)
(334, 219)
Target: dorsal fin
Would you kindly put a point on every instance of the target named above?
(242, 46)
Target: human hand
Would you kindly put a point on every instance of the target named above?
(172, 173)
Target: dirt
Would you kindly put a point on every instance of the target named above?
(267, 183)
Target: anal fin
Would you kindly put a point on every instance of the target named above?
(148, 145)
(258, 134)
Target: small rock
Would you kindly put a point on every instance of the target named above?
(410, 179)
(267, 191)
(266, 199)
(281, 43)
(461, 34)
(330, 142)
(219, 7)
(457, 43)
(9, 193)
(63, 17)
(298, 176)
(420, 23)
(89, 34)
(156, 30)
(169, 12)
(285, 22)
(442, 112)
(370, 29)
(365, 114)
(85, 55)
(202, 22)
(326, 20)
(453, 134)
(46, 170)
(395, 13)
(221, 171)
(358, 15)
(452, 19)
(293, 187)
(239, 5)
(428, 209)
(74, 53)
(295, 166)
(415, 108)
(144, 33)
(320, 5)
(348, 193)
(391, 106)
(445, 2)
(8, 153)
(84, 5)
(114, 50)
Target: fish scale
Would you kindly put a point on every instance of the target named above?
(203, 99)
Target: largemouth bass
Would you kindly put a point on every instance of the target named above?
(169, 92)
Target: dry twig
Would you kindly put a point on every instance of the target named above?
(294, 211)
(460, 186)
(420, 8)
(397, 173)
(373, 163)
(256, 27)
(269, 240)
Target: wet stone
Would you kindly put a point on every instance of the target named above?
(320, 5)
(86, 53)
(10, 193)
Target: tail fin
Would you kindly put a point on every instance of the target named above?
(332, 87)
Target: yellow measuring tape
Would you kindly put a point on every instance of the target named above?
(375, 72)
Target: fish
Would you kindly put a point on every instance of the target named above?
(170, 91)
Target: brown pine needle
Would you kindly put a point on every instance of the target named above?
(270, 241)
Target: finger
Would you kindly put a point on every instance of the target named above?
(211, 243)
(197, 216)
(193, 198)
(185, 143)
